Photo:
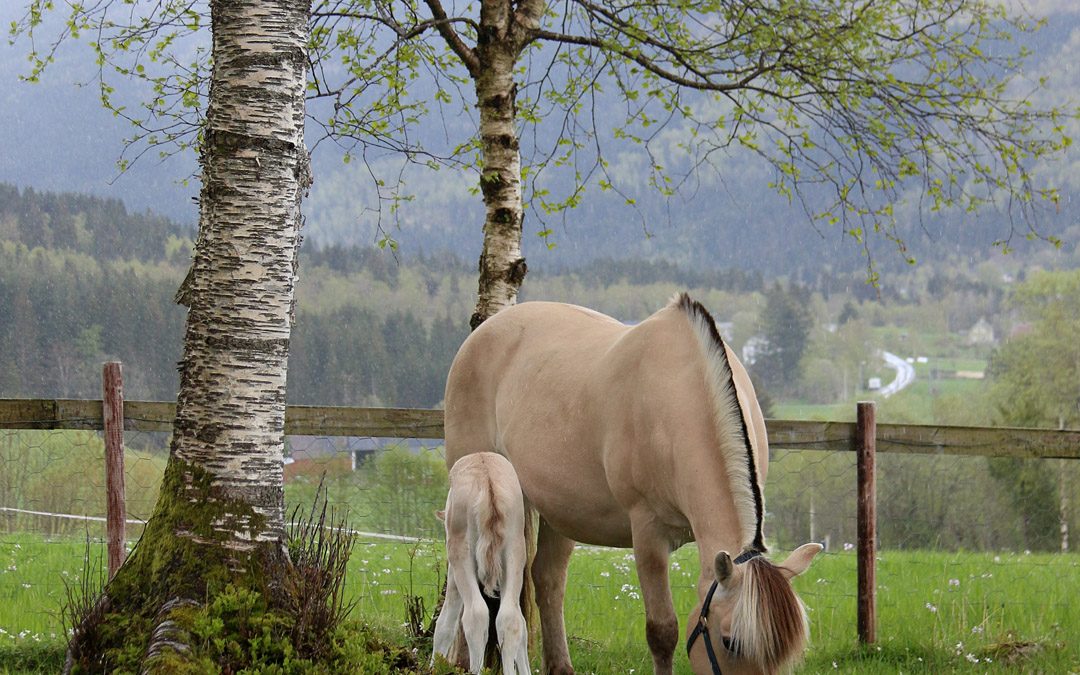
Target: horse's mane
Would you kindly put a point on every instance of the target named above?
(769, 623)
(731, 426)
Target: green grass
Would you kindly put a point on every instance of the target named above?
(825, 412)
(937, 612)
(953, 363)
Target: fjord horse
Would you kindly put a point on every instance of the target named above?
(647, 436)
(485, 553)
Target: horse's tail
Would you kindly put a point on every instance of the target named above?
(490, 539)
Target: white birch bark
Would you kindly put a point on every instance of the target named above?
(505, 30)
(240, 290)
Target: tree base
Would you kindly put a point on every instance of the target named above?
(145, 615)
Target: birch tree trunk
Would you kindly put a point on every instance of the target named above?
(220, 515)
(240, 292)
(504, 32)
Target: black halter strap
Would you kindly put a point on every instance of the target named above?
(702, 627)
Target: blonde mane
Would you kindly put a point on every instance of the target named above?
(769, 622)
(731, 429)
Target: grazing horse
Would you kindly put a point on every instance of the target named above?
(647, 436)
(485, 551)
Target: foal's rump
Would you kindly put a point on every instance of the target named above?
(486, 557)
(490, 512)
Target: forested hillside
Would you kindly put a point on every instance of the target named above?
(82, 280)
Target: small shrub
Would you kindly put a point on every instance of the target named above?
(319, 547)
(82, 611)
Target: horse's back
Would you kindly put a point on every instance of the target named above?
(522, 350)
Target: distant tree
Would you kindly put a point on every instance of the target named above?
(1034, 378)
(847, 313)
(785, 324)
(1031, 488)
(1039, 367)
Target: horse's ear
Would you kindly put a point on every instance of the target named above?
(723, 568)
(441, 515)
(799, 560)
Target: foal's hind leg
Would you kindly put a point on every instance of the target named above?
(474, 616)
(510, 622)
(449, 621)
(549, 575)
(513, 639)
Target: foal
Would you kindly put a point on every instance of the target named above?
(485, 551)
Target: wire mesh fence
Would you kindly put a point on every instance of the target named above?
(971, 549)
(968, 545)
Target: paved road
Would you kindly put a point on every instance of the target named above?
(905, 374)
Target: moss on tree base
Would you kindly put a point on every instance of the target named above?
(148, 617)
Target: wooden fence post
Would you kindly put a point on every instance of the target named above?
(866, 447)
(112, 389)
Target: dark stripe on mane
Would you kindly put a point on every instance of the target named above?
(695, 309)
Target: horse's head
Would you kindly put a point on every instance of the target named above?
(752, 620)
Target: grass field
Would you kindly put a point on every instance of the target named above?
(938, 612)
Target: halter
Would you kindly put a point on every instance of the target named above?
(702, 627)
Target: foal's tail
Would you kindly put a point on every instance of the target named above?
(490, 539)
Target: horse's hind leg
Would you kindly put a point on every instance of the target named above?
(549, 575)
(513, 640)
(652, 552)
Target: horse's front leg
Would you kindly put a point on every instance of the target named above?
(652, 551)
(549, 576)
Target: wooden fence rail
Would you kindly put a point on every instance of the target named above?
(414, 423)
